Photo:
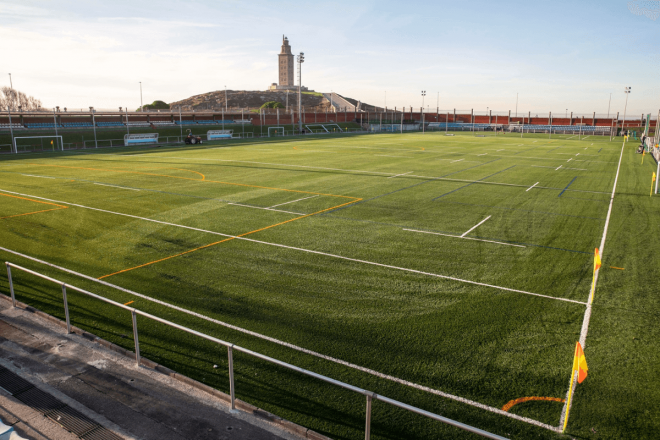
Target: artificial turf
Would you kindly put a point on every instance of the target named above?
(364, 255)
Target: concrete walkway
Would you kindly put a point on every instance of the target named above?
(108, 388)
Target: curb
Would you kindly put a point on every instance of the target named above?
(283, 424)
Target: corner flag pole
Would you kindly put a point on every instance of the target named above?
(570, 391)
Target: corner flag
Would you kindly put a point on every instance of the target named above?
(597, 262)
(580, 363)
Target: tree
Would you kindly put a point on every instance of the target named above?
(156, 105)
(12, 98)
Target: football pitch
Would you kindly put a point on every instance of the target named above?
(451, 273)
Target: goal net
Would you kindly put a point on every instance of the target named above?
(275, 131)
(23, 144)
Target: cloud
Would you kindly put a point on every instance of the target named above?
(648, 8)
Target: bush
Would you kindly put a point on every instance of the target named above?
(272, 104)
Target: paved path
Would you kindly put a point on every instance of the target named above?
(108, 388)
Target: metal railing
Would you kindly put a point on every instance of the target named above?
(370, 396)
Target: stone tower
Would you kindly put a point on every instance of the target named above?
(287, 72)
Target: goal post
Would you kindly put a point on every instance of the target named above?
(38, 143)
(276, 131)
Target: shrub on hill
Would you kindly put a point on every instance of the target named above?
(272, 104)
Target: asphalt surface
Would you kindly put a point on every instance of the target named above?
(108, 388)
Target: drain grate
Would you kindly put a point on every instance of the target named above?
(101, 433)
(70, 419)
(37, 399)
(13, 383)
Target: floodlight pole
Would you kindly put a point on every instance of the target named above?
(11, 130)
(180, 124)
(127, 129)
(226, 108)
(10, 83)
(626, 90)
(301, 59)
(55, 121)
(516, 105)
(608, 106)
(141, 106)
(422, 115)
(96, 144)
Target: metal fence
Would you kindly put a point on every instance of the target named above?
(370, 396)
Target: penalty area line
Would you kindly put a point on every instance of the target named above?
(295, 347)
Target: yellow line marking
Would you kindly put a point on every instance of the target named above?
(130, 302)
(511, 403)
(34, 212)
(227, 239)
(617, 268)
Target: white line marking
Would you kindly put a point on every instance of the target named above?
(385, 155)
(475, 226)
(356, 260)
(466, 238)
(532, 186)
(578, 154)
(482, 154)
(294, 201)
(570, 137)
(587, 312)
(569, 159)
(297, 348)
(456, 160)
(402, 174)
(558, 167)
(115, 186)
(42, 177)
(259, 207)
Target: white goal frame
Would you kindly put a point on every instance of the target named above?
(275, 128)
(61, 144)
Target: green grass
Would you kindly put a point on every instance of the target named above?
(473, 341)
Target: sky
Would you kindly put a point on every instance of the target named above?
(555, 55)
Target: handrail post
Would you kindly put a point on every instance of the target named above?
(367, 425)
(66, 309)
(135, 337)
(11, 284)
(232, 394)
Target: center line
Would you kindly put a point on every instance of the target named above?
(475, 226)
(402, 174)
(532, 186)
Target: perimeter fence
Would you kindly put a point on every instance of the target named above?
(369, 395)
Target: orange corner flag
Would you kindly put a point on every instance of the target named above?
(580, 363)
(597, 262)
